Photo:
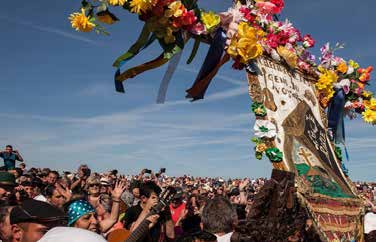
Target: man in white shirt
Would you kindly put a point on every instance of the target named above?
(219, 218)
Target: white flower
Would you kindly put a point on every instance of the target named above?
(345, 84)
(275, 55)
(265, 128)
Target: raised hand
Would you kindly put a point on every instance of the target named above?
(118, 189)
(64, 191)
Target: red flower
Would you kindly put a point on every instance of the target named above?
(186, 19)
(279, 5)
(308, 41)
(247, 14)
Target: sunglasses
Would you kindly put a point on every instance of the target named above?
(94, 185)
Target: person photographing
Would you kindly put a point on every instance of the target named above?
(10, 156)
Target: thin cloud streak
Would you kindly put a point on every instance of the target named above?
(49, 30)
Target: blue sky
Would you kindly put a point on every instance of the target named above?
(59, 107)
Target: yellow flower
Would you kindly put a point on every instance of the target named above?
(371, 104)
(369, 116)
(249, 49)
(174, 9)
(353, 64)
(245, 43)
(117, 2)
(210, 20)
(80, 22)
(140, 6)
(367, 94)
(289, 56)
(342, 67)
(326, 80)
(261, 147)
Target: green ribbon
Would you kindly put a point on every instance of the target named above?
(194, 50)
(135, 48)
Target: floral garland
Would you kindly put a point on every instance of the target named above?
(252, 29)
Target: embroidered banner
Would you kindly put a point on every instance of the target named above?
(291, 104)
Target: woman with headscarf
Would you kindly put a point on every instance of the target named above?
(83, 215)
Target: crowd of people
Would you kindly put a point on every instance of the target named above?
(46, 205)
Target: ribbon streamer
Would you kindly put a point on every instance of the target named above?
(132, 72)
(210, 66)
(141, 43)
(335, 116)
(173, 64)
(194, 50)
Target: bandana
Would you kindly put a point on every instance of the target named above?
(78, 209)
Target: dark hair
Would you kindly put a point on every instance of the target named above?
(19, 171)
(49, 191)
(219, 216)
(54, 172)
(4, 210)
(9, 146)
(148, 188)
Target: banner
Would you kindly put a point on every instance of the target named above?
(292, 106)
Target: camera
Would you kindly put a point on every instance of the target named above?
(147, 171)
(86, 172)
(163, 170)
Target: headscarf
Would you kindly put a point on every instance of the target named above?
(77, 209)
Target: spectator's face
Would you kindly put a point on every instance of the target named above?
(6, 229)
(176, 203)
(136, 192)
(28, 232)
(94, 188)
(5, 192)
(30, 191)
(104, 189)
(88, 222)
(8, 149)
(57, 199)
(52, 178)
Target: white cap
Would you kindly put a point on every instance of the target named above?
(63, 234)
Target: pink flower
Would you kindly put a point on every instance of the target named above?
(303, 65)
(266, 7)
(197, 28)
(308, 41)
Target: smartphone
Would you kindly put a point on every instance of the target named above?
(148, 171)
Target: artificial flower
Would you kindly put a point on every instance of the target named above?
(344, 84)
(326, 80)
(248, 49)
(289, 56)
(117, 2)
(308, 41)
(342, 67)
(259, 109)
(198, 28)
(140, 6)
(365, 73)
(369, 116)
(245, 43)
(279, 5)
(260, 148)
(268, 8)
(353, 64)
(81, 22)
(247, 14)
(274, 154)
(175, 9)
(265, 129)
(370, 104)
(367, 94)
(186, 19)
(210, 20)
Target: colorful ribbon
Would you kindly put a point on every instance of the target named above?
(210, 66)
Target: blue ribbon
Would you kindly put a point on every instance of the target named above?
(335, 115)
(213, 57)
